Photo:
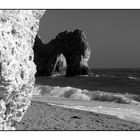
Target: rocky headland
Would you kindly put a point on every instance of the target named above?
(72, 45)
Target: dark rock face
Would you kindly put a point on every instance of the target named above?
(72, 45)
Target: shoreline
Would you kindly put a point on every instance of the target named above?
(127, 112)
(42, 116)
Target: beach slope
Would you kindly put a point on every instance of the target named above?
(42, 116)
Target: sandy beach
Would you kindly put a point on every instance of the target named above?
(47, 112)
(42, 116)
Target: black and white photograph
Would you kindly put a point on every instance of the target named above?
(70, 69)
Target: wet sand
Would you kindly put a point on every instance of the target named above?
(42, 116)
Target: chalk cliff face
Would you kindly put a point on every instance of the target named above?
(18, 29)
(74, 47)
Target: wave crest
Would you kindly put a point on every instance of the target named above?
(79, 94)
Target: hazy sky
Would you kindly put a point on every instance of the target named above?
(113, 35)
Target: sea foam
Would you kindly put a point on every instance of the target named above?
(82, 94)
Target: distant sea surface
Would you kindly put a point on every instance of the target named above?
(123, 80)
(118, 80)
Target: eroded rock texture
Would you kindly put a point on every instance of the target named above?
(18, 29)
(74, 47)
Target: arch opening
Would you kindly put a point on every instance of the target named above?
(60, 65)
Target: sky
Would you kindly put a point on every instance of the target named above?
(113, 35)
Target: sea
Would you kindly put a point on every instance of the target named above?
(107, 91)
(115, 80)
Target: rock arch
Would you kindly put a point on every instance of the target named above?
(73, 45)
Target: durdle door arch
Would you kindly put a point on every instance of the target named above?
(18, 29)
(72, 45)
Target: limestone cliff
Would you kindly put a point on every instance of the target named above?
(74, 47)
(18, 29)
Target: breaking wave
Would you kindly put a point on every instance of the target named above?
(133, 78)
(86, 95)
